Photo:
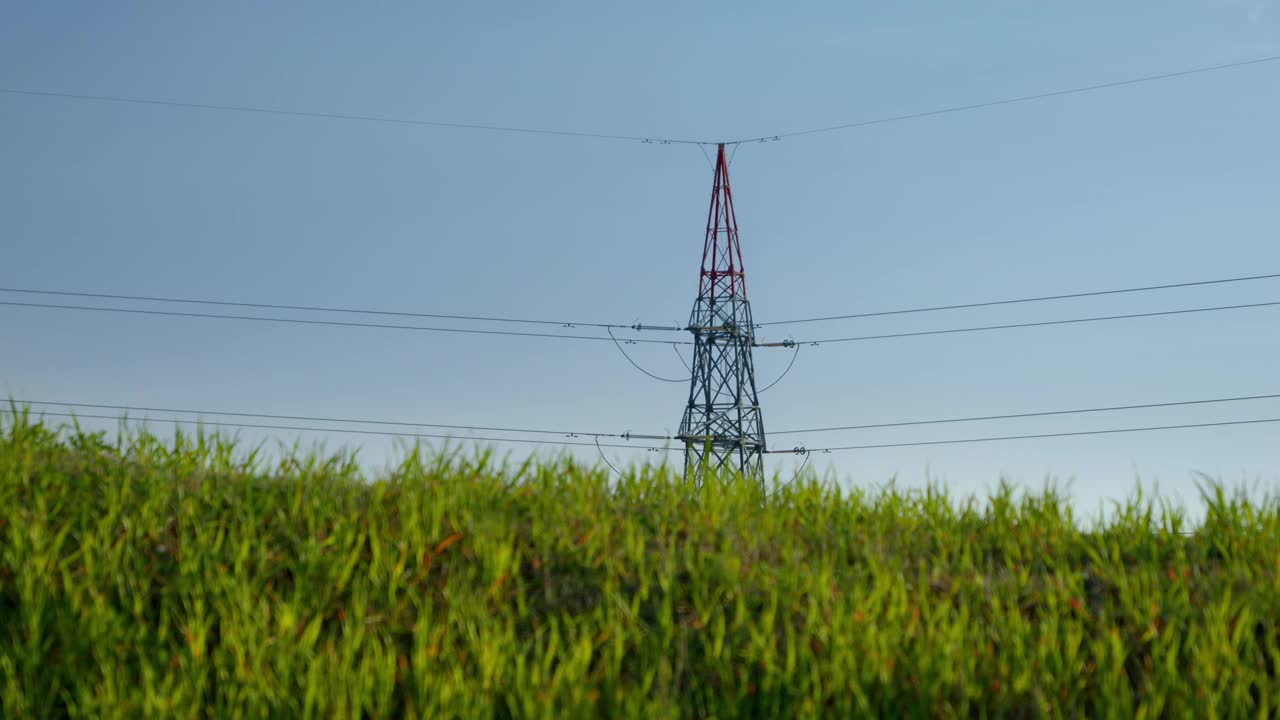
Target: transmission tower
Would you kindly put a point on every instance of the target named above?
(722, 426)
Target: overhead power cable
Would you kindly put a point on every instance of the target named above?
(620, 137)
(332, 309)
(349, 431)
(794, 477)
(1079, 411)
(616, 326)
(1041, 298)
(605, 458)
(1009, 101)
(606, 338)
(795, 353)
(1000, 438)
(619, 326)
(654, 448)
(330, 323)
(682, 360)
(312, 418)
(349, 117)
(1045, 323)
(636, 365)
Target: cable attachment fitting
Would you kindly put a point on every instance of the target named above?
(628, 436)
(639, 326)
(788, 343)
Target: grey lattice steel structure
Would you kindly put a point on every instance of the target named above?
(722, 425)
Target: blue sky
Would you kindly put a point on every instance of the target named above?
(1163, 182)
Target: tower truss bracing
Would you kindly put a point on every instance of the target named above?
(722, 426)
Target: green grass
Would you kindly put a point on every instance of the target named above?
(141, 577)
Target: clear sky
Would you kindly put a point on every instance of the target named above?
(1162, 182)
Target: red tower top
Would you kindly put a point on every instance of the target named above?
(722, 275)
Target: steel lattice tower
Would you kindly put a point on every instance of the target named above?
(722, 426)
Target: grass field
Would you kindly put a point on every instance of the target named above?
(175, 578)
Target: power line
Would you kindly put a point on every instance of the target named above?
(333, 309)
(636, 365)
(629, 435)
(605, 458)
(682, 360)
(1111, 408)
(309, 418)
(559, 336)
(1045, 323)
(1040, 298)
(619, 326)
(794, 354)
(347, 116)
(794, 477)
(383, 433)
(609, 136)
(802, 450)
(332, 323)
(799, 450)
(1008, 101)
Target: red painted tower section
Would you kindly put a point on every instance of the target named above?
(722, 273)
